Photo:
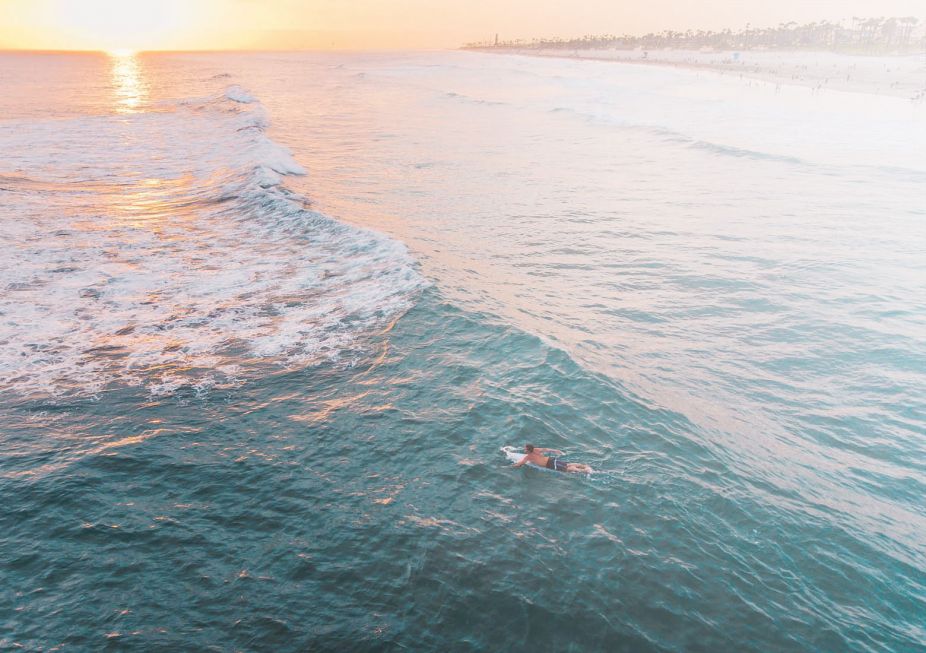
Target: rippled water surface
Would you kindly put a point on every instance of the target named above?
(266, 320)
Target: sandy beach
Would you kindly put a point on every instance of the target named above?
(900, 76)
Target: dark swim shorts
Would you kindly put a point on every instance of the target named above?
(557, 464)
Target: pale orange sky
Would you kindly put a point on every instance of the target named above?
(375, 24)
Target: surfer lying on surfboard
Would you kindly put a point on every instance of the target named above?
(535, 455)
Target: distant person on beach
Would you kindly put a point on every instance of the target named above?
(535, 455)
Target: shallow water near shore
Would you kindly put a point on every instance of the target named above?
(268, 318)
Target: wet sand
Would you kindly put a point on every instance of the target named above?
(898, 75)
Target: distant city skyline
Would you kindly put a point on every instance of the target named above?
(884, 35)
(377, 24)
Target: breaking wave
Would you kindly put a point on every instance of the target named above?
(163, 249)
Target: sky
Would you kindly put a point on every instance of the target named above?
(387, 24)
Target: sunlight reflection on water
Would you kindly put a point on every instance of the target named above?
(128, 82)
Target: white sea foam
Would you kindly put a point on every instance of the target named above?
(161, 250)
(238, 94)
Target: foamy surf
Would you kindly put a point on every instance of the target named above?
(162, 249)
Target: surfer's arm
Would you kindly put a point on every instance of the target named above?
(520, 462)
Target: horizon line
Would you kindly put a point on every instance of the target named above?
(5, 50)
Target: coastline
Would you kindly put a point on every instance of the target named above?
(897, 76)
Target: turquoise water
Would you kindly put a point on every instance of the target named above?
(234, 418)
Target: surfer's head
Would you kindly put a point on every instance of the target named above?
(529, 448)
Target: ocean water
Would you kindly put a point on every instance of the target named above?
(267, 319)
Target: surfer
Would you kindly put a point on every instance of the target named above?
(536, 456)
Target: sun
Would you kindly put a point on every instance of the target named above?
(123, 25)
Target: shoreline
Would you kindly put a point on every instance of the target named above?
(902, 76)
